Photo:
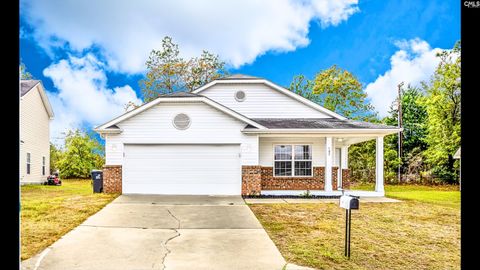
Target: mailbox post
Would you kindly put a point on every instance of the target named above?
(348, 202)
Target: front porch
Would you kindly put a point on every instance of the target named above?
(316, 163)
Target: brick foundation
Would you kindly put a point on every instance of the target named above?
(258, 178)
(269, 182)
(112, 179)
(251, 180)
(334, 178)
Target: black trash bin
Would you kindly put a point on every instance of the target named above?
(97, 178)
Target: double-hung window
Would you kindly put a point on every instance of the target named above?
(293, 160)
(43, 165)
(28, 163)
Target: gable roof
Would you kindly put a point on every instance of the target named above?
(240, 77)
(248, 79)
(110, 126)
(27, 85)
(180, 94)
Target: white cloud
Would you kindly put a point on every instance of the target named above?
(126, 31)
(414, 62)
(83, 97)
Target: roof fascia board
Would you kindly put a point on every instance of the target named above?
(108, 131)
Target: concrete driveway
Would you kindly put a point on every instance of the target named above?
(139, 232)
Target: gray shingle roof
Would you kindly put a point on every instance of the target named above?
(239, 77)
(27, 85)
(313, 123)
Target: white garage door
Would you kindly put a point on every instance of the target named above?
(182, 169)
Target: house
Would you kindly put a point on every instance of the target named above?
(235, 135)
(35, 115)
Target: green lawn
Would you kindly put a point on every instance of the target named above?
(449, 195)
(422, 232)
(49, 212)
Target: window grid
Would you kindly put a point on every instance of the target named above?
(293, 160)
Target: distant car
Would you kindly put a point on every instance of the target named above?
(53, 180)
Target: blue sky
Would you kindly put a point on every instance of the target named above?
(90, 56)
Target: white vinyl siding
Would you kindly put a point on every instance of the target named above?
(182, 169)
(261, 101)
(34, 136)
(207, 126)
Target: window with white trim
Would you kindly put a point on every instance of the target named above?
(43, 165)
(293, 160)
(28, 163)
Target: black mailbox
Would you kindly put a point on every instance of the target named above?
(97, 178)
(349, 202)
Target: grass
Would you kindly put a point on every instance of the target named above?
(447, 195)
(49, 212)
(423, 232)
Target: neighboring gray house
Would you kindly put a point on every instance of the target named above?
(458, 156)
(238, 135)
(35, 115)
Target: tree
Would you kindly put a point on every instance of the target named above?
(302, 86)
(361, 161)
(167, 72)
(414, 123)
(443, 103)
(55, 156)
(341, 92)
(82, 153)
(414, 119)
(24, 74)
(202, 70)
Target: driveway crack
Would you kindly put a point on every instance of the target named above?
(171, 238)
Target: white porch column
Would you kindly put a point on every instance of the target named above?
(344, 160)
(343, 164)
(328, 163)
(379, 166)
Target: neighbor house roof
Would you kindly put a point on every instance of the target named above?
(27, 85)
(458, 153)
(316, 123)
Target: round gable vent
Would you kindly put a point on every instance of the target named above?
(181, 121)
(240, 96)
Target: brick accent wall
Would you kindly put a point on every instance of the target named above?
(345, 178)
(112, 178)
(334, 177)
(269, 182)
(251, 180)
